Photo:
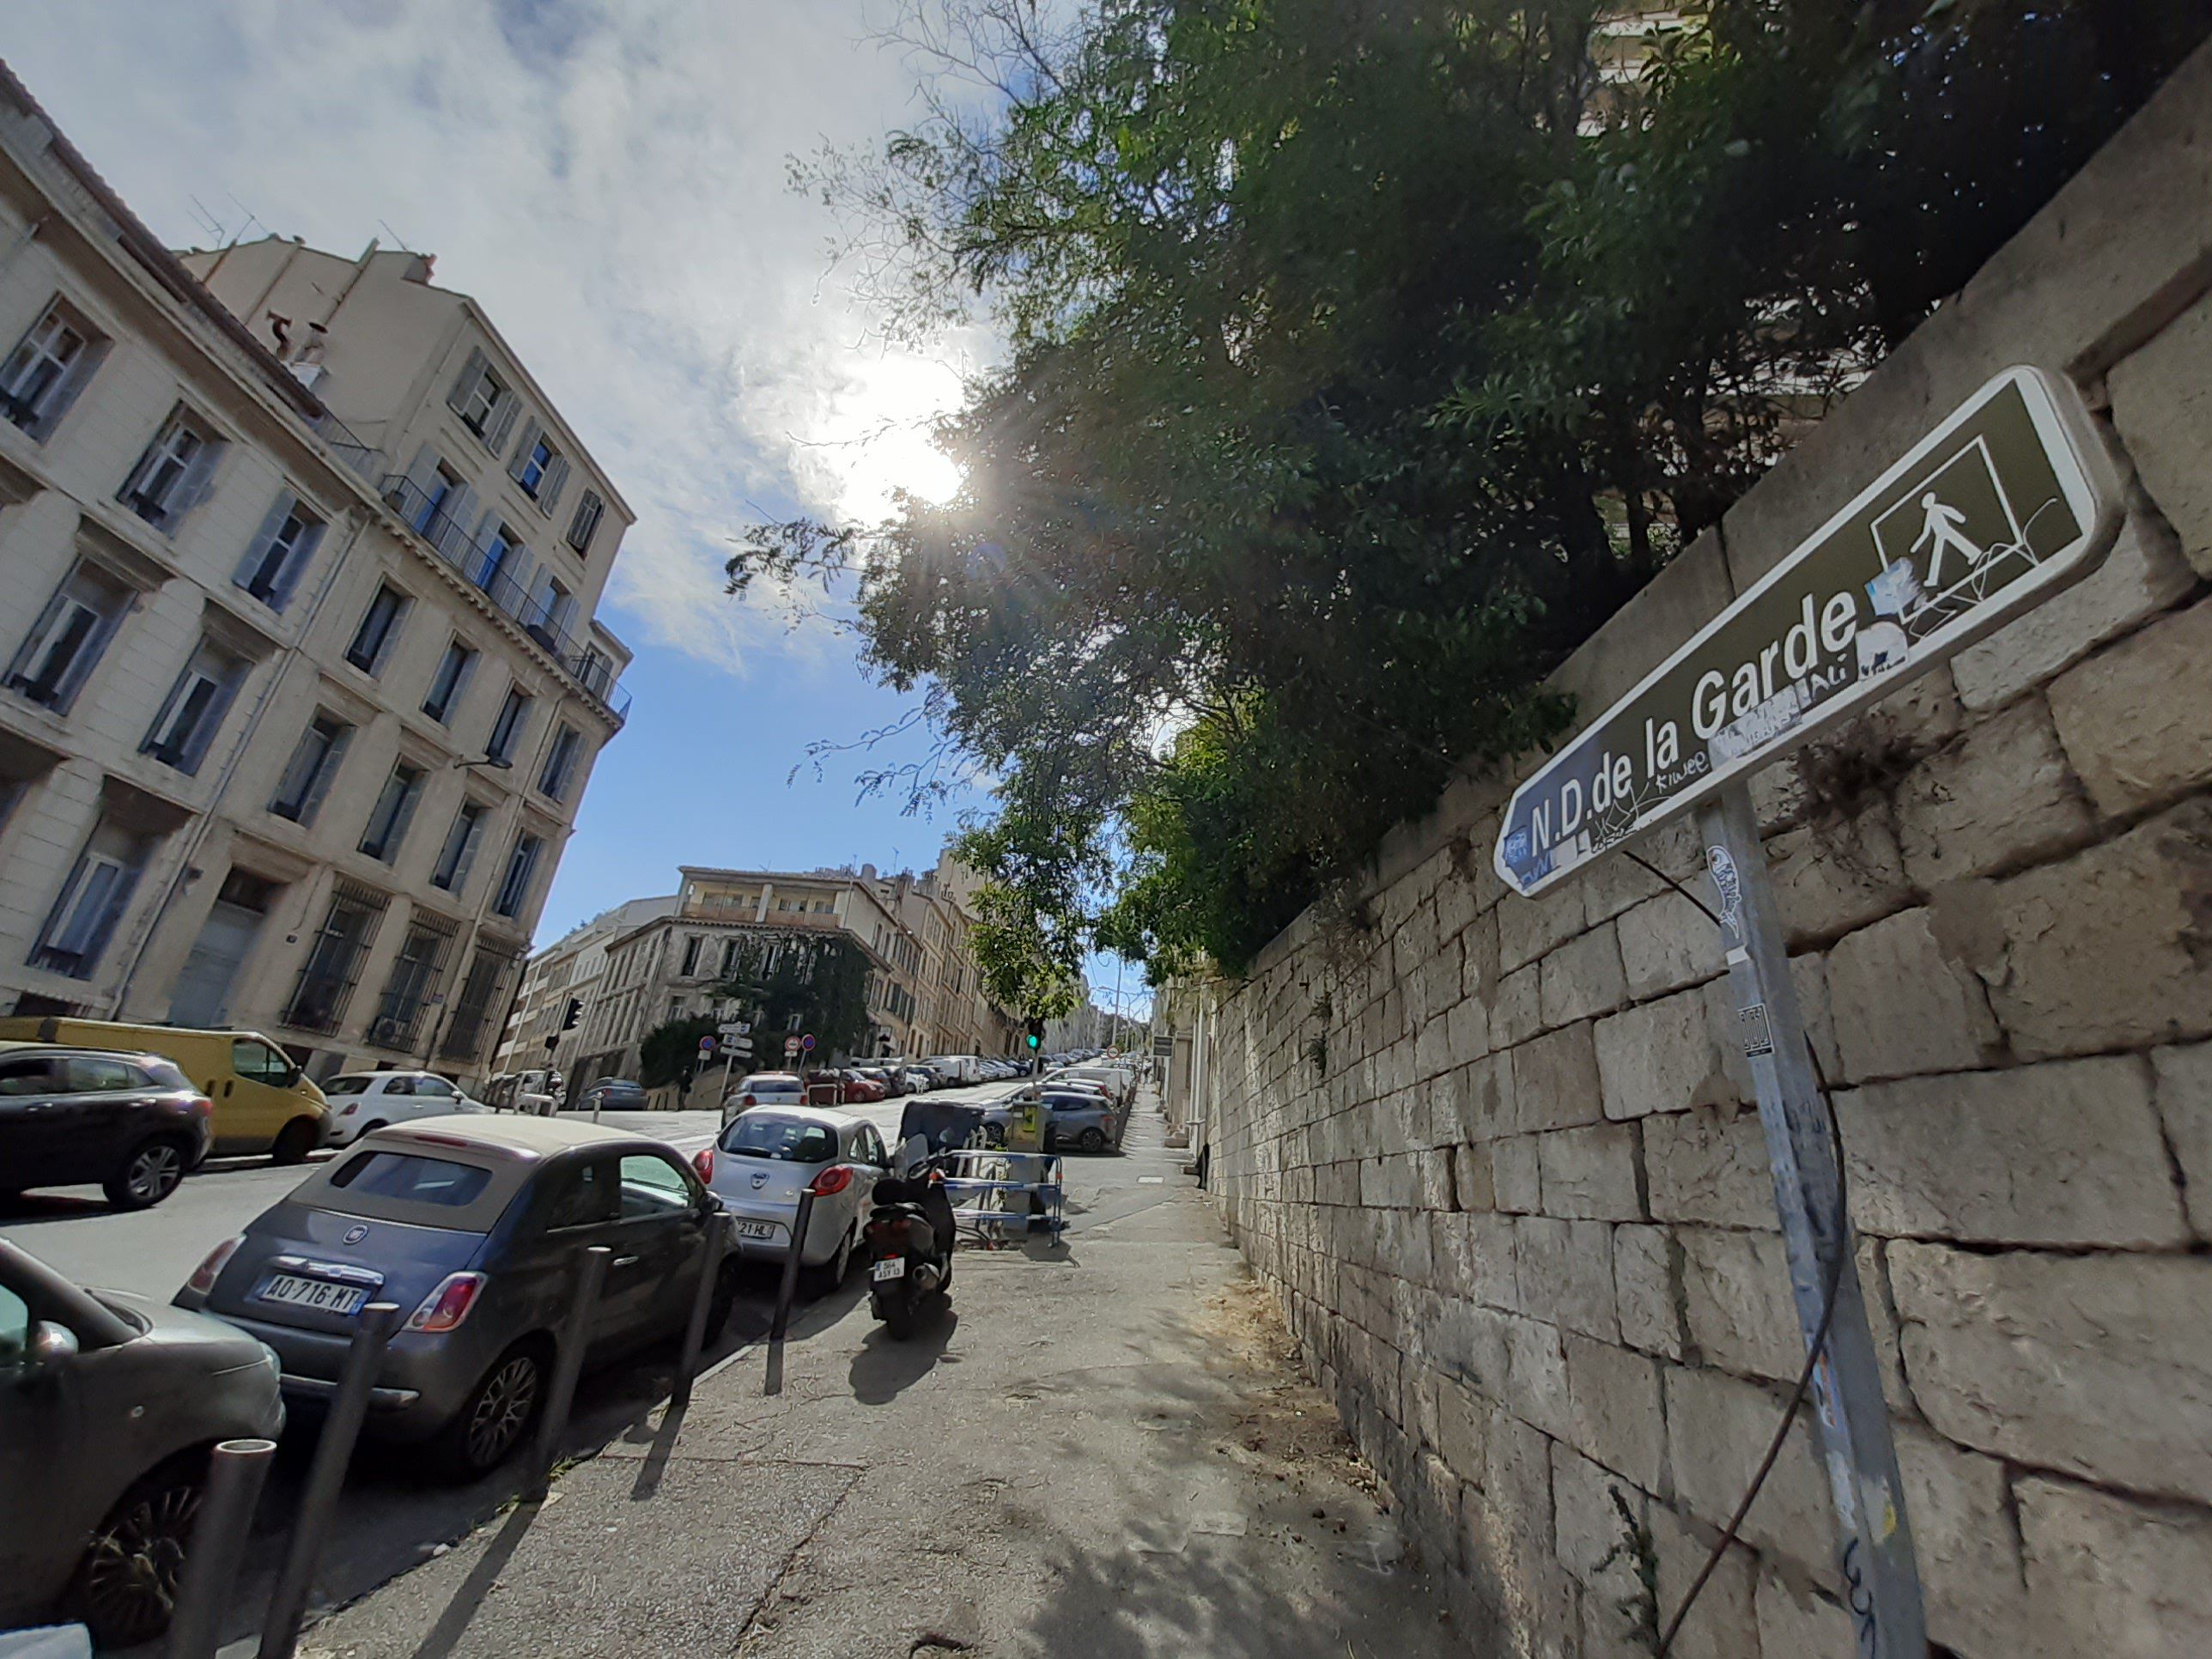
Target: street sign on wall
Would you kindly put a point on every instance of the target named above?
(790, 1047)
(1979, 519)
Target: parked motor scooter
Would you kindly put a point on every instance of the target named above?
(908, 1245)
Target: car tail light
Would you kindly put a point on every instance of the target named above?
(205, 1275)
(834, 1179)
(204, 1106)
(449, 1304)
(704, 1161)
(749, 1101)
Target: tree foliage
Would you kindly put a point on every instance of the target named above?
(801, 986)
(1363, 358)
(668, 1053)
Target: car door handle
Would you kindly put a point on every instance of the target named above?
(624, 1261)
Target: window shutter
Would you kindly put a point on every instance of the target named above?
(194, 488)
(549, 491)
(402, 818)
(502, 421)
(468, 853)
(218, 710)
(325, 774)
(118, 901)
(296, 566)
(73, 381)
(530, 431)
(585, 522)
(421, 477)
(258, 549)
(458, 398)
(88, 655)
(452, 532)
(27, 653)
(145, 461)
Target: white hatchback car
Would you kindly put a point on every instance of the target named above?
(361, 1101)
(766, 1155)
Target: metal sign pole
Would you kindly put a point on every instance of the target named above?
(1881, 1582)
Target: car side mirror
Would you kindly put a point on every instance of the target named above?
(49, 1344)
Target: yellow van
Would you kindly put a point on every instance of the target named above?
(262, 1103)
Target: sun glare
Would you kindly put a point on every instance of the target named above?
(881, 442)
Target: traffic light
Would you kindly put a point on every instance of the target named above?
(576, 1012)
(1036, 1038)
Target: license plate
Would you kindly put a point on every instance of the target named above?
(757, 1229)
(889, 1267)
(318, 1294)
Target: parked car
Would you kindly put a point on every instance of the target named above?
(860, 1089)
(951, 1069)
(1074, 1118)
(613, 1094)
(765, 1157)
(920, 1080)
(764, 1089)
(884, 1080)
(131, 1122)
(1121, 1084)
(262, 1103)
(363, 1102)
(477, 1226)
(109, 1404)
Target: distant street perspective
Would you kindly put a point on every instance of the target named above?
(1255, 828)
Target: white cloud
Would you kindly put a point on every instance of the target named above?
(608, 177)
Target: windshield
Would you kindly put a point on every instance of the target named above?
(345, 1086)
(786, 1139)
(409, 1178)
(772, 1086)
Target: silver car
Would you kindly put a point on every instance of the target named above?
(766, 1157)
(109, 1404)
(477, 1226)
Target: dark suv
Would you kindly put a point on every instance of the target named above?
(130, 1122)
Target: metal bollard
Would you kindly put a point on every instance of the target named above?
(233, 1487)
(716, 1246)
(787, 1290)
(568, 1367)
(288, 1603)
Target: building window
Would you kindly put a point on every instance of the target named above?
(550, 607)
(559, 764)
(729, 957)
(535, 466)
(279, 552)
(388, 819)
(173, 475)
(449, 681)
(691, 956)
(506, 730)
(588, 513)
(460, 850)
(494, 555)
(483, 401)
(538, 467)
(46, 370)
(188, 721)
(66, 644)
(521, 866)
(416, 972)
(307, 775)
(326, 980)
(92, 901)
(472, 1009)
(379, 627)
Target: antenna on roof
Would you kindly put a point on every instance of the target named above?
(396, 237)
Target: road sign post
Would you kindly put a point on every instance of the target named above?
(2008, 499)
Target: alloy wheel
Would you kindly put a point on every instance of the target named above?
(154, 1171)
(503, 1408)
(128, 1583)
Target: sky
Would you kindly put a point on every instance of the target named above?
(609, 179)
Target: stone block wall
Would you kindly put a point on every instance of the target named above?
(1497, 1158)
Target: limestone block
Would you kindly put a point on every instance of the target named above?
(1469, 1345)
(1471, 1186)
(1659, 1057)
(1432, 1050)
(2103, 951)
(1477, 1102)
(1724, 1623)
(2002, 796)
(1666, 943)
(1462, 1430)
(2144, 575)
(1592, 1173)
(1612, 884)
(1597, 1517)
(2184, 1107)
(1514, 1017)
(1474, 1258)
(1902, 1006)
(1436, 982)
(1516, 1179)
(1613, 1395)
(1708, 1166)
(1479, 968)
(1531, 927)
(1963, 1538)
(1736, 1296)
(1516, 1491)
(2162, 407)
(2091, 1364)
(1643, 1287)
(2136, 718)
(1583, 977)
(2067, 1152)
(1831, 877)
(1466, 1032)
(1565, 1270)
(1718, 1427)
(1555, 1084)
(1797, 1622)
(1390, 1182)
(1536, 1373)
(2113, 1578)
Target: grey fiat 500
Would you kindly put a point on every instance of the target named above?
(476, 1227)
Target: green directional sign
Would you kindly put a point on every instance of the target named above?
(1995, 509)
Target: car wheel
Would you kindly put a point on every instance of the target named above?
(1092, 1139)
(295, 1141)
(831, 1273)
(126, 1587)
(149, 1175)
(724, 1301)
(499, 1414)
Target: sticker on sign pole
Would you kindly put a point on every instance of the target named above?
(2004, 502)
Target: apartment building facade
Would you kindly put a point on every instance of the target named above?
(271, 755)
(569, 971)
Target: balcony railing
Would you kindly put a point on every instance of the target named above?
(342, 441)
(483, 566)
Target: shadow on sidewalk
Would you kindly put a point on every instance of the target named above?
(453, 1622)
(884, 1367)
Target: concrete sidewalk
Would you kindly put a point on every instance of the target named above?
(1107, 1451)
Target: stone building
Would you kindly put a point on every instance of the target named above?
(568, 973)
(278, 748)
